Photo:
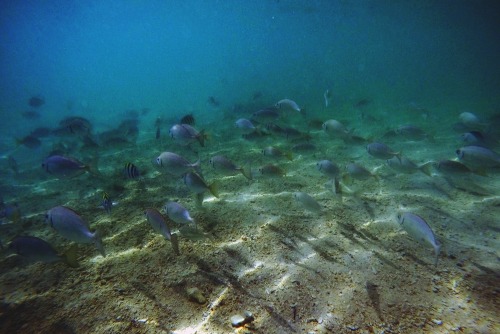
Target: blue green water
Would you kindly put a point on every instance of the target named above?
(385, 64)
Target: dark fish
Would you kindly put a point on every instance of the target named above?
(12, 163)
(362, 103)
(381, 151)
(35, 249)
(12, 212)
(76, 125)
(36, 101)
(107, 204)
(452, 167)
(31, 114)
(63, 166)
(266, 114)
(272, 170)
(213, 101)
(157, 136)
(188, 119)
(130, 171)
(304, 147)
(29, 141)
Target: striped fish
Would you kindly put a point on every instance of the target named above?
(107, 204)
(130, 171)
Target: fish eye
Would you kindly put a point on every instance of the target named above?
(399, 216)
(158, 161)
(459, 152)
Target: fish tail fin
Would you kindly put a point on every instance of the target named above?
(214, 189)
(426, 168)
(98, 243)
(174, 240)
(289, 155)
(202, 137)
(247, 172)
(70, 257)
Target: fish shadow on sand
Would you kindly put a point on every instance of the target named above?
(372, 290)
(278, 318)
(486, 288)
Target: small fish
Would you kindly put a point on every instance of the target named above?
(287, 104)
(36, 101)
(452, 168)
(478, 157)
(328, 168)
(188, 119)
(307, 201)
(304, 147)
(29, 141)
(471, 120)
(336, 129)
(418, 229)
(34, 249)
(158, 134)
(381, 151)
(227, 167)
(185, 134)
(266, 114)
(178, 213)
(213, 101)
(359, 172)
(130, 171)
(275, 152)
(72, 227)
(411, 132)
(175, 164)
(158, 222)
(327, 95)
(62, 166)
(107, 203)
(271, 170)
(197, 185)
(405, 165)
(244, 125)
(76, 125)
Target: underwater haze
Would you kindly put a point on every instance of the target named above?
(271, 166)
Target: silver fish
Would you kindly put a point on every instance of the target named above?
(334, 128)
(185, 134)
(478, 157)
(411, 132)
(178, 213)
(62, 166)
(287, 104)
(418, 229)
(227, 167)
(175, 164)
(197, 185)
(244, 125)
(405, 165)
(72, 227)
(328, 168)
(275, 152)
(381, 151)
(359, 172)
(307, 201)
(158, 222)
(34, 249)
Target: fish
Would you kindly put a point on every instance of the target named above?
(107, 203)
(178, 213)
(175, 164)
(478, 157)
(381, 151)
(187, 119)
(158, 222)
(30, 114)
(359, 172)
(130, 171)
(266, 114)
(405, 165)
(452, 168)
(328, 168)
(213, 101)
(29, 141)
(244, 125)
(418, 229)
(72, 227)
(304, 147)
(36, 101)
(13, 165)
(34, 249)
(185, 134)
(158, 134)
(307, 201)
(271, 170)
(287, 104)
(64, 167)
(334, 128)
(41, 132)
(275, 152)
(197, 185)
(411, 132)
(225, 166)
(327, 95)
(471, 120)
(76, 125)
